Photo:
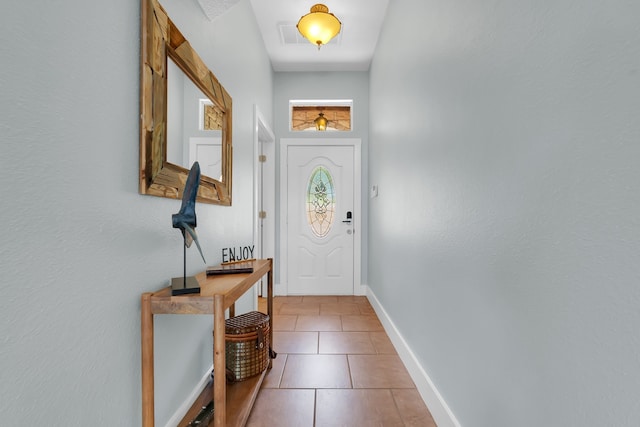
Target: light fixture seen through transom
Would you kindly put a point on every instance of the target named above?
(321, 122)
(319, 26)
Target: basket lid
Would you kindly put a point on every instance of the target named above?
(246, 322)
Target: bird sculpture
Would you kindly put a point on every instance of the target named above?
(185, 219)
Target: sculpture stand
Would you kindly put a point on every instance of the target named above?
(184, 285)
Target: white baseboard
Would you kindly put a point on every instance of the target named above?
(361, 290)
(184, 408)
(280, 289)
(439, 409)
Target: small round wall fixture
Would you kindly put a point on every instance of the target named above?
(319, 26)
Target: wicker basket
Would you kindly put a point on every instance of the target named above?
(247, 349)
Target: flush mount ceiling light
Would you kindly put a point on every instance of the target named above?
(319, 26)
(321, 122)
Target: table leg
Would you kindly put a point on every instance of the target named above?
(270, 305)
(219, 365)
(146, 332)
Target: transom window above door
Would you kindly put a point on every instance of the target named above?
(320, 115)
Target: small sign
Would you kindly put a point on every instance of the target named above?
(237, 253)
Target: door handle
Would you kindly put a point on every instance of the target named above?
(348, 220)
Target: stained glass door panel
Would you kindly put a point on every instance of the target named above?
(320, 201)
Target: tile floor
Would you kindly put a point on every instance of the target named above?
(335, 367)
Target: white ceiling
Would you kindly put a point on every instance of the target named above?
(351, 50)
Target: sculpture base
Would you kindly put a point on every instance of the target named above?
(180, 287)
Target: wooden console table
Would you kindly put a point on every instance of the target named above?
(232, 402)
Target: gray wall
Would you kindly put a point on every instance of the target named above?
(505, 139)
(324, 85)
(80, 244)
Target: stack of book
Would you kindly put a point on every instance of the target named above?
(231, 267)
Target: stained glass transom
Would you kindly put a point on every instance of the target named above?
(320, 201)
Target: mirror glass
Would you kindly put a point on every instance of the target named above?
(192, 133)
(186, 115)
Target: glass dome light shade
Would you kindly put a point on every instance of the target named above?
(319, 26)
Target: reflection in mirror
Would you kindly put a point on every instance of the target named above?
(196, 125)
(194, 131)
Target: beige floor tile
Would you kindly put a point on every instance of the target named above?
(284, 322)
(319, 323)
(345, 343)
(336, 367)
(361, 323)
(320, 299)
(283, 408)
(286, 300)
(307, 308)
(379, 371)
(295, 342)
(366, 309)
(339, 308)
(279, 301)
(412, 409)
(316, 371)
(382, 343)
(353, 299)
(356, 408)
(274, 375)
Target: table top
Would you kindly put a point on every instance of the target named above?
(229, 286)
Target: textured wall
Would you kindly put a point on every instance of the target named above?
(80, 244)
(505, 239)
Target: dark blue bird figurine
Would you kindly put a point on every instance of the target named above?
(185, 219)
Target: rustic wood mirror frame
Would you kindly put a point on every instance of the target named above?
(160, 39)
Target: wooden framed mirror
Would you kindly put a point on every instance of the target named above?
(161, 45)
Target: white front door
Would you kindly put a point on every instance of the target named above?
(321, 219)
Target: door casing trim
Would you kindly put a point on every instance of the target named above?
(263, 185)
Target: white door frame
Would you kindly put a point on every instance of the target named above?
(356, 143)
(264, 182)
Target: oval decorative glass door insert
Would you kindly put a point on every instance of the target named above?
(320, 201)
